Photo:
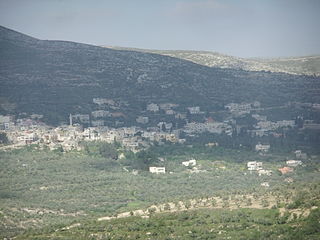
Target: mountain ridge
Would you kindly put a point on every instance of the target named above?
(216, 59)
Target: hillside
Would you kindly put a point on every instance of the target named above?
(308, 65)
(201, 224)
(56, 78)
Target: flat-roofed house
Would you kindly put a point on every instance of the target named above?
(157, 170)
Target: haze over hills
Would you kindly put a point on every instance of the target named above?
(56, 78)
(308, 65)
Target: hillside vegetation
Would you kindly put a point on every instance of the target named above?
(48, 189)
(244, 224)
(56, 78)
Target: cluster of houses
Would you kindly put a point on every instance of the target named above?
(211, 127)
(288, 168)
(264, 127)
(252, 166)
(238, 109)
(151, 125)
(68, 137)
(31, 131)
(290, 165)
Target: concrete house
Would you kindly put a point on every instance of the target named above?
(194, 110)
(294, 163)
(152, 107)
(264, 172)
(254, 166)
(157, 170)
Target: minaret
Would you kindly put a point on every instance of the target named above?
(70, 119)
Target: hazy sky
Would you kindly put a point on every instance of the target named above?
(246, 28)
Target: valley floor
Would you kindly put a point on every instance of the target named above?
(52, 195)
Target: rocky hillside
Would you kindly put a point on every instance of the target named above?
(309, 65)
(56, 78)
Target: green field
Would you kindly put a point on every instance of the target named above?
(43, 189)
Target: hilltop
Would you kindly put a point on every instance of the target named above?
(305, 65)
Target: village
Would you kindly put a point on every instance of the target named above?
(159, 123)
(151, 128)
(91, 127)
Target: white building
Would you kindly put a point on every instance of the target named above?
(262, 148)
(157, 170)
(212, 127)
(170, 112)
(239, 107)
(89, 134)
(254, 166)
(6, 122)
(212, 144)
(294, 163)
(167, 106)
(194, 110)
(264, 172)
(191, 162)
(300, 155)
(27, 137)
(101, 101)
(268, 125)
(152, 107)
(265, 184)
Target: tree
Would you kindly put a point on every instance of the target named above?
(3, 138)
(144, 159)
(312, 224)
(108, 151)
